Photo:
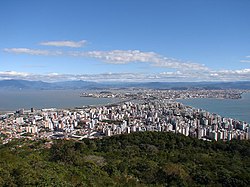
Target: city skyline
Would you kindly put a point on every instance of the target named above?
(135, 41)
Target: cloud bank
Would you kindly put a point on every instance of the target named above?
(118, 57)
(67, 43)
(32, 51)
(223, 75)
(130, 56)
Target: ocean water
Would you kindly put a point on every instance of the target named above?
(14, 100)
(232, 108)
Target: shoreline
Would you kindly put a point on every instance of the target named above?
(230, 108)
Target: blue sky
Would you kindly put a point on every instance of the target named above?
(132, 40)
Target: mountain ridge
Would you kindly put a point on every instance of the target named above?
(13, 84)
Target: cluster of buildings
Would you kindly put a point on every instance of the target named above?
(151, 114)
(140, 93)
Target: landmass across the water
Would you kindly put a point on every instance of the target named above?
(14, 84)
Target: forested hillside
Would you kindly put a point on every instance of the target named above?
(138, 159)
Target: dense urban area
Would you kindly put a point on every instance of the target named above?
(138, 110)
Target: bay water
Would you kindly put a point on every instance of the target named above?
(231, 108)
(14, 100)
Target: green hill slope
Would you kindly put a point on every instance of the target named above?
(138, 159)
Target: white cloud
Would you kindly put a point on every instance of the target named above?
(119, 57)
(230, 75)
(72, 44)
(130, 56)
(26, 51)
(9, 74)
(246, 60)
(32, 51)
(184, 76)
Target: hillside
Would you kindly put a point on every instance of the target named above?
(138, 159)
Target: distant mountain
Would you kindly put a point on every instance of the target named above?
(195, 85)
(40, 85)
(79, 84)
(23, 84)
(75, 85)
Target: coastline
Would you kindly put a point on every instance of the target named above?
(231, 108)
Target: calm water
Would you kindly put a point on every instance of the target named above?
(13, 100)
(233, 108)
(10, 101)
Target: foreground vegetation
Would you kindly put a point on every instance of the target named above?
(138, 159)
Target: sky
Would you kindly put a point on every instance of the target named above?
(125, 41)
